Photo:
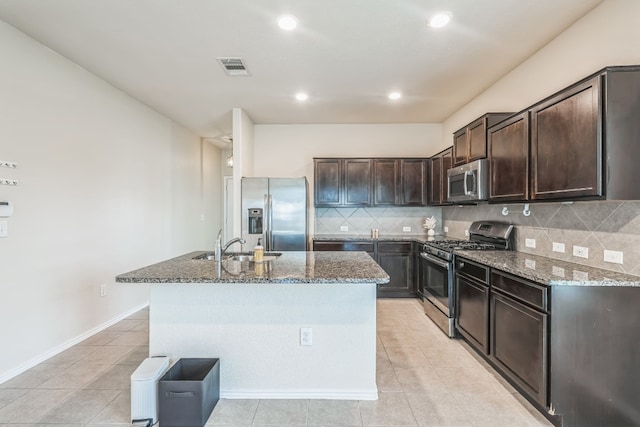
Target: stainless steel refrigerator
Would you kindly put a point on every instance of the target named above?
(275, 209)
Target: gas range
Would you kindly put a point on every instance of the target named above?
(437, 268)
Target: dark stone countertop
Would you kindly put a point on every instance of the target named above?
(290, 267)
(548, 271)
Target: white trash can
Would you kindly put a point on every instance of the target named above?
(144, 390)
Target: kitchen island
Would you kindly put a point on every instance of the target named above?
(251, 315)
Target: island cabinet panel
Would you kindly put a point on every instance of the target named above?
(566, 145)
(328, 182)
(439, 165)
(509, 159)
(385, 182)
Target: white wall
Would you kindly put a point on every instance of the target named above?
(608, 35)
(288, 150)
(243, 155)
(106, 185)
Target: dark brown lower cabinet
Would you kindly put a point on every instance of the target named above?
(396, 258)
(519, 344)
(472, 312)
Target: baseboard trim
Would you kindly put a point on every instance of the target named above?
(300, 394)
(66, 345)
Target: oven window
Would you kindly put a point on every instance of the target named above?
(437, 284)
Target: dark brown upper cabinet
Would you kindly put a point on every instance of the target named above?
(470, 142)
(566, 148)
(508, 150)
(584, 139)
(439, 165)
(342, 182)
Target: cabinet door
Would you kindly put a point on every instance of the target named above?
(447, 163)
(519, 345)
(396, 258)
(566, 147)
(477, 140)
(385, 182)
(509, 159)
(460, 147)
(472, 312)
(435, 181)
(412, 182)
(357, 182)
(327, 182)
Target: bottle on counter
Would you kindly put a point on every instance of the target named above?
(258, 252)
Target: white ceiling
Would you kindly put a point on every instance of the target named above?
(347, 54)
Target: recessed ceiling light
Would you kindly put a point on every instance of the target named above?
(301, 96)
(395, 95)
(439, 20)
(287, 22)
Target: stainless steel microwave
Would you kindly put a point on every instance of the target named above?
(468, 183)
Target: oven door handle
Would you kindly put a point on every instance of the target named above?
(436, 261)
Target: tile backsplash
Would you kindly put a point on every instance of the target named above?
(598, 226)
(388, 220)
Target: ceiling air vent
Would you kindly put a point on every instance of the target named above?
(233, 66)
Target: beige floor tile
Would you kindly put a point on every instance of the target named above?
(239, 412)
(136, 356)
(417, 379)
(386, 378)
(282, 412)
(117, 411)
(406, 357)
(34, 376)
(109, 355)
(32, 406)
(81, 407)
(118, 377)
(131, 338)
(8, 395)
(72, 355)
(391, 408)
(438, 409)
(125, 325)
(334, 413)
(75, 377)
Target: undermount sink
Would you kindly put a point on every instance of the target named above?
(239, 256)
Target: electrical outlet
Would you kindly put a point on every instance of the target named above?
(306, 336)
(4, 228)
(446, 229)
(344, 228)
(530, 243)
(103, 290)
(581, 251)
(406, 229)
(466, 233)
(613, 256)
(558, 247)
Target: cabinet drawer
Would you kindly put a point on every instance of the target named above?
(394, 246)
(520, 289)
(343, 246)
(471, 269)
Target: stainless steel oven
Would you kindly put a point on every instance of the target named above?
(437, 268)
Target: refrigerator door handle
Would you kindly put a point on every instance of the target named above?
(270, 229)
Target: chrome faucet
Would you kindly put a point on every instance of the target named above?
(220, 250)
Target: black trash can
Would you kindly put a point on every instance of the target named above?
(188, 392)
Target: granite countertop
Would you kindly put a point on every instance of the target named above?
(290, 267)
(549, 271)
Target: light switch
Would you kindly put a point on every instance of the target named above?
(4, 228)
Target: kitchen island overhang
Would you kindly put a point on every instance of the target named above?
(250, 317)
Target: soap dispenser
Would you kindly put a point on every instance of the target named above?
(258, 252)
